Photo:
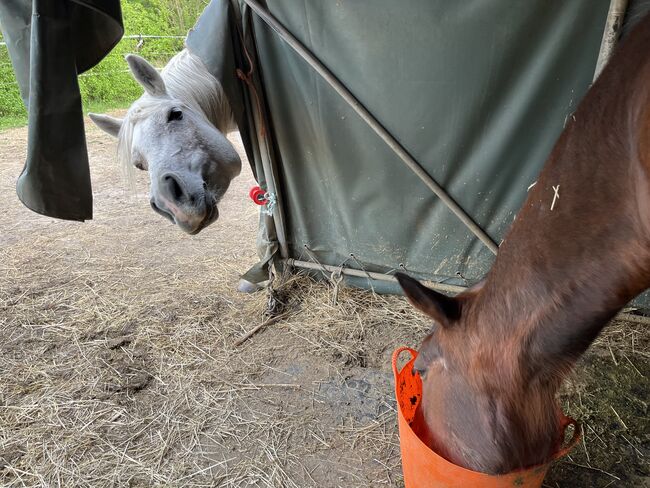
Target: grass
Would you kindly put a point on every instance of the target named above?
(100, 106)
(12, 121)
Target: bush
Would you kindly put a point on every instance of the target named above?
(11, 105)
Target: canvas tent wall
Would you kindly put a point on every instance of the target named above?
(475, 91)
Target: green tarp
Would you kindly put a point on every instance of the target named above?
(477, 92)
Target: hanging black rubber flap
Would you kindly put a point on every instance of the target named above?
(50, 43)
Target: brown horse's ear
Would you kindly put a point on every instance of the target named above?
(441, 308)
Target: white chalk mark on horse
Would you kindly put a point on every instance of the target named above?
(556, 196)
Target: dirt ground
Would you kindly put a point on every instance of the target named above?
(117, 364)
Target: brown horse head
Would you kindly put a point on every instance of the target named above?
(479, 408)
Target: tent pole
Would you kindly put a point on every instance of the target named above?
(612, 31)
(270, 176)
(276, 215)
(365, 274)
(372, 122)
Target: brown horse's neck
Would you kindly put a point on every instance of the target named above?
(566, 267)
(579, 249)
(577, 252)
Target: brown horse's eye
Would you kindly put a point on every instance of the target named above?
(174, 114)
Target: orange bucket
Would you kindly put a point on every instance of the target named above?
(423, 468)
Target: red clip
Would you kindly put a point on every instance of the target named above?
(257, 195)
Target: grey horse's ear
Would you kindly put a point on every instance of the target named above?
(146, 75)
(108, 124)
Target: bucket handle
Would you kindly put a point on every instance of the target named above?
(396, 354)
(577, 434)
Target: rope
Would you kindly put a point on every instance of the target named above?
(314, 258)
(248, 79)
(364, 270)
(336, 277)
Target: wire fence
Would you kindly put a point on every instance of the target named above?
(146, 36)
(133, 36)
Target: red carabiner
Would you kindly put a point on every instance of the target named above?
(257, 195)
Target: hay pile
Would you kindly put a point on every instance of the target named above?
(117, 365)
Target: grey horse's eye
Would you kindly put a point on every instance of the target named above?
(174, 114)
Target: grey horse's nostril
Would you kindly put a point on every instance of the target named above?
(173, 187)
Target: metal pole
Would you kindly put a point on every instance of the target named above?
(366, 274)
(612, 31)
(372, 122)
(431, 284)
(267, 165)
(275, 220)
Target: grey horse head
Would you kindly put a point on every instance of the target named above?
(190, 162)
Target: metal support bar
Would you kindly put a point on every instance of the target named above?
(270, 175)
(276, 217)
(455, 289)
(368, 274)
(629, 317)
(613, 25)
(374, 124)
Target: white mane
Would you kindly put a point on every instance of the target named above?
(187, 79)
